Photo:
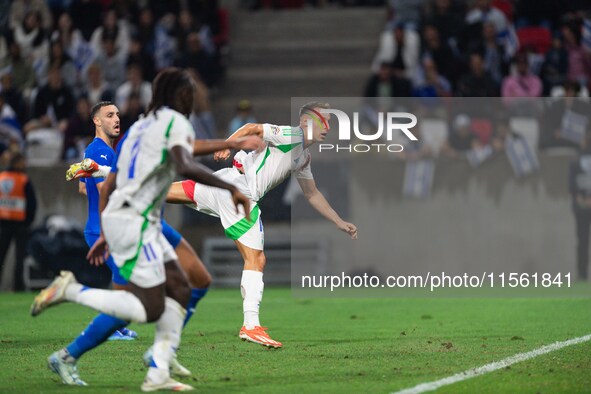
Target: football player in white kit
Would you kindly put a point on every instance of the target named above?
(255, 174)
(158, 146)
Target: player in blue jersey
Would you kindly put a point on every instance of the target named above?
(105, 116)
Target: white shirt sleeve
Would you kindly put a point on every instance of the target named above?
(181, 133)
(282, 135)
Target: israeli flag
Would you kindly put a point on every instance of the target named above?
(83, 56)
(509, 40)
(418, 178)
(586, 34)
(521, 156)
(574, 126)
(477, 156)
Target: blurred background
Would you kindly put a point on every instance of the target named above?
(60, 57)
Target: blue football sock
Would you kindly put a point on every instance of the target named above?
(97, 332)
(196, 295)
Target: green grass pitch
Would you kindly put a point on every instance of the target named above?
(330, 346)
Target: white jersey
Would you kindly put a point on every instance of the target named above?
(145, 170)
(283, 155)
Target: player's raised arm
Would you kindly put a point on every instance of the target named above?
(249, 129)
(319, 203)
(206, 147)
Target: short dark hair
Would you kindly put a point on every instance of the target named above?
(313, 104)
(166, 86)
(97, 107)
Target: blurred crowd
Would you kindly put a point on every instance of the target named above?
(60, 57)
(517, 50)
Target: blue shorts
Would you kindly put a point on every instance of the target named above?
(172, 236)
(117, 278)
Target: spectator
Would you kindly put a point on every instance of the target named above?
(478, 82)
(483, 12)
(20, 8)
(137, 55)
(461, 139)
(441, 16)
(186, 24)
(429, 83)
(579, 62)
(558, 120)
(384, 85)
(197, 58)
(114, 29)
(96, 87)
(495, 61)
(522, 84)
(501, 132)
(78, 133)
(53, 104)
(165, 42)
(58, 58)
(242, 117)
(400, 47)
(33, 43)
(555, 65)
(202, 118)
(74, 44)
(135, 84)
(440, 53)
(112, 64)
(22, 74)
(146, 31)
(12, 96)
(18, 206)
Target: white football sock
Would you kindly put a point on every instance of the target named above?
(251, 287)
(166, 340)
(119, 303)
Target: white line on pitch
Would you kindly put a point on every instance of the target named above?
(472, 373)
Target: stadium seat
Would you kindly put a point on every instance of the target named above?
(538, 38)
(528, 128)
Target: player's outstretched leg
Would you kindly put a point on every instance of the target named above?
(122, 304)
(251, 287)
